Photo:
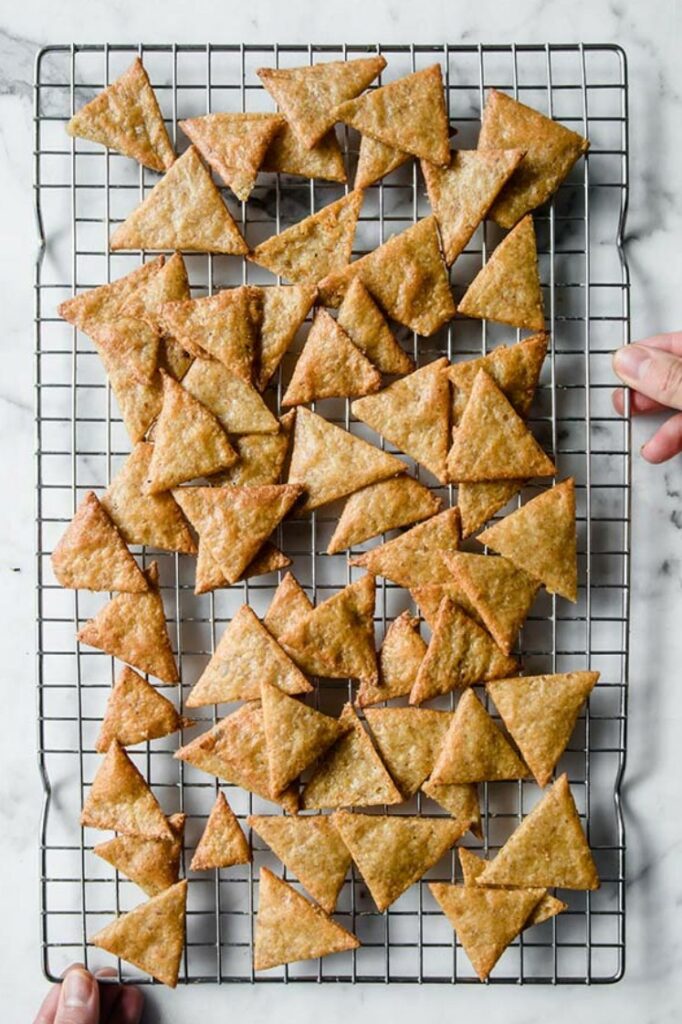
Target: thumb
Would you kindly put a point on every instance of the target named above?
(651, 371)
(78, 998)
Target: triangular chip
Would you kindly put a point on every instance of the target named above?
(460, 801)
(486, 920)
(479, 502)
(183, 211)
(330, 366)
(311, 848)
(139, 400)
(366, 327)
(189, 441)
(209, 575)
(308, 95)
(540, 538)
(408, 114)
(462, 193)
(245, 655)
(460, 654)
(289, 928)
(381, 507)
(314, 247)
(269, 559)
(235, 404)
(153, 864)
(261, 458)
(120, 799)
(501, 594)
(336, 639)
(548, 847)
(130, 343)
(236, 751)
(429, 597)
(414, 414)
(136, 712)
(540, 713)
(234, 145)
(222, 843)
(287, 155)
(329, 462)
(514, 368)
(408, 739)
(492, 442)
(507, 288)
(415, 557)
(126, 117)
(551, 150)
(142, 518)
(151, 936)
(92, 555)
(171, 284)
(233, 522)
(296, 735)
(406, 275)
(392, 851)
(474, 866)
(376, 160)
(352, 774)
(474, 749)
(105, 303)
(285, 307)
(289, 606)
(399, 660)
(132, 627)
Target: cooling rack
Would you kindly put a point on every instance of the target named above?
(81, 192)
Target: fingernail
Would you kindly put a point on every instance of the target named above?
(630, 361)
(77, 989)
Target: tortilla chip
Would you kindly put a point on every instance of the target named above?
(514, 368)
(289, 606)
(473, 867)
(507, 288)
(406, 275)
(462, 193)
(287, 155)
(91, 554)
(415, 557)
(408, 114)
(222, 843)
(376, 160)
(236, 751)
(551, 150)
(151, 936)
(492, 442)
(540, 713)
(352, 774)
(285, 307)
(314, 247)
(153, 864)
(120, 799)
(540, 538)
(408, 739)
(479, 502)
(399, 660)
(136, 712)
(139, 400)
(235, 404)
(183, 211)
(501, 594)
(309, 95)
(132, 628)
(209, 575)
(486, 920)
(141, 518)
(381, 507)
(548, 848)
(261, 459)
(311, 848)
(108, 301)
(459, 655)
(329, 462)
(126, 117)
(330, 366)
(170, 284)
(392, 851)
(245, 655)
(336, 638)
(234, 145)
(366, 327)
(234, 522)
(269, 559)
(460, 801)
(429, 597)
(296, 735)
(474, 749)
(130, 342)
(414, 414)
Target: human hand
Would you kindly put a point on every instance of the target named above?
(652, 368)
(79, 999)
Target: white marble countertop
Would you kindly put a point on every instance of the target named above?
(651, 33)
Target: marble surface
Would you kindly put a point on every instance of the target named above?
(652, 989)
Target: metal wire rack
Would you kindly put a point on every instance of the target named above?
(81, 192)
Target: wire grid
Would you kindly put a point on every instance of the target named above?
(81, 192)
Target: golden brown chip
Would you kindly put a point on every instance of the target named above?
(330, 366)
(261, 459)
(514, 368)
(139, 400)
(308, 95)
(126, 117)
(235, 404)
(170, 284)
(376, 160)
(473, 867)
(183, 211)
(415, 558)
(366, 327)
(540, 538)
(136, 712)
(399, 660)
(289, 606)
(130, 343)
(234, 145)
(92, 555)
(209, 575)
(460, 801)
(153, 864)
(429, 597)
(381, 507)
(287, 155)
(108, 301)
(269, 559)
(285, 307)
(222, 843)
(151, 936)
(120, 799)
(551, 150)
(474, 748)
(479, 502)
(408, 740)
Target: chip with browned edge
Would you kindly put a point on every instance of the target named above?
(209, 575)
(380, 507)
(408, 740)
(120, 799)
(170, 284)
(289, 606)
(475, 749)
(330, 366)
(460, 801)
(514, 368)
(400, 656)
(136, 712)
(222, 843)
(473, 867)
(234, 145)
(236, 405)
(479, 502)
(153, 864)
(285, 307)
(287, 155)
(376, 160)
(367, 328)
(415, 557)
(139, 395)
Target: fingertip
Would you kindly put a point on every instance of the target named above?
(618, 401)
(130, 1005)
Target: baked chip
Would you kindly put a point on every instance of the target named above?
(415, 557)
(261, 458)
(540, 713)
(126, 117)
(236, 405)
(475, 749)
(460, 801)
(139, 400)
(222, 843)
(129, 342)
(515, 369)
(153, 864)
(479, 502)
(289, 606)
(474, 866)
(136, 712)
(285, 307)
(400, 656)
(366, 327)
(376, 160)
(107, 302)
(380, 507)
(429, 597)
(183, 211)
(170, 284)
(209, 575)
(120, 799)
(234, 145)
(330, 366)
(408, 739)
(287, 155)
